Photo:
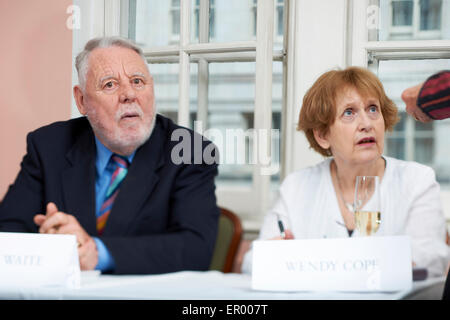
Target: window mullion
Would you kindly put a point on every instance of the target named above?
(263, 101)
(112, 18)
(203, 75)
(185, 31)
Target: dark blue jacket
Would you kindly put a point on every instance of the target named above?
(164, 218)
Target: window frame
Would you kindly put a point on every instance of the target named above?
(414, 29)
(366, 53)
(185, 52)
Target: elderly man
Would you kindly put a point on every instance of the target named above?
(109, 178)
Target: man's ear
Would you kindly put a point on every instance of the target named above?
(321, 139)
(79, 100)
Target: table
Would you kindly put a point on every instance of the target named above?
(208, 285)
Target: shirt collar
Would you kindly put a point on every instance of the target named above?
(103, 156)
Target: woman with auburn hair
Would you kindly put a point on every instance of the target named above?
(344, 116)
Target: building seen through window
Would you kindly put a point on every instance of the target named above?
(230, 85)
(414, 20)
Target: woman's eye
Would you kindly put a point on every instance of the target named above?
(348, 112)
(373, 109)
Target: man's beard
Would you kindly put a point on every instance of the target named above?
(126, 139)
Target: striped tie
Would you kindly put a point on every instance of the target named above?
(120, 167)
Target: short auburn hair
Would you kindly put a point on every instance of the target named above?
(318, 110)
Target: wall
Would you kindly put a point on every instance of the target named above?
(35, 84)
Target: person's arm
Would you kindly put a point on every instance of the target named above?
(189, 240)
(426, 224)
(429, 100)
(105, 260)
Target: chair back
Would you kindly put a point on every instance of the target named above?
(229, 236)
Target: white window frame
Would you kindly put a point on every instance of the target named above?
(364, 50)
(414, 29)
(306, 54)
(258, 50)
(174, 38)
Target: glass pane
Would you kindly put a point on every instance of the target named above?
(410, 20)
(423, 151)
(231, 95)
(155, 22)
(402, 13)
(233, 21)
(278, 25)
(396, 147)
(165, 77)
(425, 143)
(430, 14)
(195, 19)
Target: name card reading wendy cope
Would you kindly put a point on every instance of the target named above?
(355, 264)
(38, 260)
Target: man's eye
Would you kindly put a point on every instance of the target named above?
(137, 81)
(109, 84)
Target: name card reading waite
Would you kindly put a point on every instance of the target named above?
(353, 264)
(38, 260)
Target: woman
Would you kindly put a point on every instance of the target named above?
(344, 117)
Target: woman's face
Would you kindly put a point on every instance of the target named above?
(357, 135)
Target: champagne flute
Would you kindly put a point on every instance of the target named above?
(367, 205)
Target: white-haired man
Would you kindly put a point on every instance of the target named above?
(108, 177)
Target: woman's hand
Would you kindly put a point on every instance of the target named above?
(288, 235)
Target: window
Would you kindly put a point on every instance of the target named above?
(206, 78)
(413, 19)
(196, 24)
(422, 52)
(175, 18)
(279, 20)
(412, 140)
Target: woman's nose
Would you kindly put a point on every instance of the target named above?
(365, 123)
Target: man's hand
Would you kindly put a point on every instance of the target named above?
(57, 222)
(409, 96)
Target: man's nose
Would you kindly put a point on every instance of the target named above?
(127, 93)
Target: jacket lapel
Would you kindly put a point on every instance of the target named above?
(78, 181)
(138, 184)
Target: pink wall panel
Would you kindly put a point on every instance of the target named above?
(35, 79)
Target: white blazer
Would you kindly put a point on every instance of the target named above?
(410, 205)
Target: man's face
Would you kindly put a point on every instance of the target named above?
(118, 99)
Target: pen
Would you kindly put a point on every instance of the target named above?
(281, 226)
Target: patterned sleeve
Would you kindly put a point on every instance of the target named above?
(434, 96)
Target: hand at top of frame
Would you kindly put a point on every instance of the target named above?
(409, 96)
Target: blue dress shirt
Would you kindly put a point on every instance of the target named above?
(102, 179)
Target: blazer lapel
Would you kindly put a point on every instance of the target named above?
(137, 185)
(78, 181)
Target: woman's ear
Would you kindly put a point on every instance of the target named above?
(321, 139)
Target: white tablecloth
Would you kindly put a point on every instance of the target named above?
(210, 285)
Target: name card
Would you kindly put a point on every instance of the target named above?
(347, 264)
(38, 260)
